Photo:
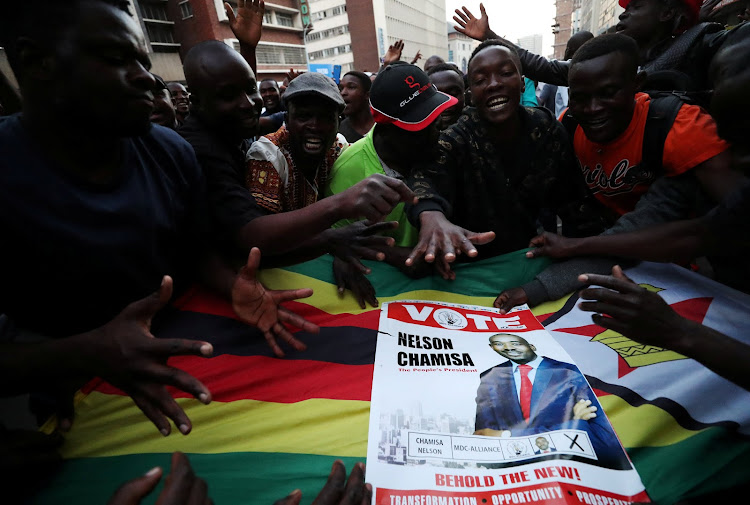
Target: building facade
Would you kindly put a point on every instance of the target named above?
(460, 48)
(280, 49)
(532, 43)
(596, 16)
(357, 33)
(561, 29)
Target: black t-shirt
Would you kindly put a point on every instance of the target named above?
(231, 205)
(345, 129)
(73, 255)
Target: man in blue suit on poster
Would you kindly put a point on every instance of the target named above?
(530, 394)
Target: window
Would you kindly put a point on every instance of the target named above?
(186, 9)
(159, 33)
(154, 11)
(284, 19)
(267, 18)
(267, 54)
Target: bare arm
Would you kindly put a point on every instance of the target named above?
(247, 25)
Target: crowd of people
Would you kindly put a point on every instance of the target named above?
(118, 190)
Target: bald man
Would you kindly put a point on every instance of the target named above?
(225, 111)
(432, 61)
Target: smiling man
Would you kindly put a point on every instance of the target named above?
(448, 79)
(269, 92)
(496, 168)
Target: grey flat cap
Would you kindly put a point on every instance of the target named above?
(313, 84)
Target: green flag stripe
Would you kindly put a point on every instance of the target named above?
(233, 478)
(498, 273)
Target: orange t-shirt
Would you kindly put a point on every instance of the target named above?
(691, 141)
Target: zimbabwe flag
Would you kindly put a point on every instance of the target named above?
(277, 424)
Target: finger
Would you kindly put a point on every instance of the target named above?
(610, 282)
(617, 273)
(292, 318)
(537, 241)
(417, 252)
(620, 313)
(145, 308)
(338, 275)
(405, 194)
(135, 490)
(461, 17)
(178, 486)
(609, 296)
(271, 340)
(334, 486)
(292, 499)
(612, 324)
(379, 227)
(166, 347)
(358, 292)
(288, 295)
(357, 265)
(367, 496)
(539, 252)
(355, 486)
(445, 271)
(253, 262)
(448, 250)
(151, 412)
(163, 401)
(177, 378)
(482, 11)
(480, 238)
(230, 13)
(281, 332)
(469, 15)
(466, 246)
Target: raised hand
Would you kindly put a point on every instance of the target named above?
(125, 353)
(247, 24)
(338, 490)
(510, 298)
(293, 74)
(476, 28)
(373, 198)
(416, 58)
(260, 307)
(441, 240)
(181, 487)
(393, 53)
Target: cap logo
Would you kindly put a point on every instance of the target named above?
(413, 84)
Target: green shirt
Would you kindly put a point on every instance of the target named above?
(358, 162)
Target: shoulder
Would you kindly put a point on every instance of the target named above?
(168, 152)
(502, 367)
(560, 365)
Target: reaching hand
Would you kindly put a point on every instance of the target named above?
(416, 58)
(350, 277)
(706, 10)
(551, 245)
(260, 307)
(510, 298)
(359, 241)
(338, 490)
(627, 308)
(247, 24)
(125, 353)
(744, 15)
(181, 487)
(442, 240)
(393, 53)
(373, 198)
(584, 411)
(477, 29)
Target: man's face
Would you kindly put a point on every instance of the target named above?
(163, 113)
(513, 348)
(312, 123)
(602, 92)
(451, 83)
(180, 97)
(269, 92)
(354, 95)
(642, 20)
(542, 443)
(100, 76)
(496, 84)
(232, 105)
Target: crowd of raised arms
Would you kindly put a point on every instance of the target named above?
(107, 216)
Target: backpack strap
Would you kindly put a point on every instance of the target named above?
(662, 111)
(570, 123)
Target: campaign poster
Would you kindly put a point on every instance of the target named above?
(473, 407)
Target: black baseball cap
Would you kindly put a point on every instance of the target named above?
(403, 95)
